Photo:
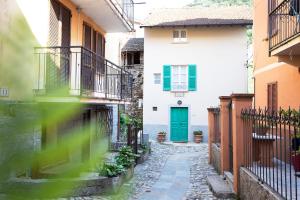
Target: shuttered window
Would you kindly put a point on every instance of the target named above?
(59, 13)
(87, 36)
(192, 78)
(167, 77)
(179, 78)
(272, 97)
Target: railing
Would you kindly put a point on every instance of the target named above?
(77, 71)
(133, 137)
(272, 149)
(126, 9)
(284, 21)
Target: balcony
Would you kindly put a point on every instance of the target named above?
(79, 72)
(111, 15)
(284, 27)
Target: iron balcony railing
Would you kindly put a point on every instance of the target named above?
(126, 10)
(272, 149)
(284, 21)
(77, 71)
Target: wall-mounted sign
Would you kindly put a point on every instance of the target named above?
(4, 92)
(179, 102)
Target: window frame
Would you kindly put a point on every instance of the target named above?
(186, 89)
(155, 75)
(180, 39)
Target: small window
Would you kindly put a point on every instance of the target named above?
(179, 36)
(157, 78)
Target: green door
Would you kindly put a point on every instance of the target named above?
(179, 124)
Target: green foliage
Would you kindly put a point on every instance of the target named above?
(126, 157)
(111, 170)
(198, 133)
(162, 133)
(126, 119)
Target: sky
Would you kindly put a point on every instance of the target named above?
(141, 11)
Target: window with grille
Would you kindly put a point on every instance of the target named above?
(179, 80)
(179, 36)
(272, 97)
(157, 78)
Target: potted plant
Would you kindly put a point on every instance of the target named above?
(198, 136)
(161, 136)
(261, 129)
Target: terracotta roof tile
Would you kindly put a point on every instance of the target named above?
(206, 16)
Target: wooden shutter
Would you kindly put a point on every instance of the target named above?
(66, 27)
(94, 43)
(167, 77)
(87, 36)
(53, 38)
(192, 80)
(272, 97)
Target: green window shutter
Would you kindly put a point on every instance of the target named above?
(167, 77)
(192, 77)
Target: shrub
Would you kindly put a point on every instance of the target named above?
(126, 157)
(111, 170)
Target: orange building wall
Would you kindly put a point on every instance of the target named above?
(77, 23)
(283, 70)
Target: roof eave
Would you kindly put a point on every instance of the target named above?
(195, 25)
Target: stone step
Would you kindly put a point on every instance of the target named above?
(228, 177)
(220, 188)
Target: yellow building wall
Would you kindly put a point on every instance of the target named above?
(284, 69)
(25, 25)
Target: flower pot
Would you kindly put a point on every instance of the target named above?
(262, 130)
(198, 138)
(161, 137)
(296, 162)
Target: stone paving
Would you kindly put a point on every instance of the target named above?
(173, 171)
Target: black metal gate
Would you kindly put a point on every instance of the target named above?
(230, 138)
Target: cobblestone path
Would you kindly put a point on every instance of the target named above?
(172, 172)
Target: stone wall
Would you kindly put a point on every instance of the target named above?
(19, 132)
(251, 189)
(137, 91)
(216, 157)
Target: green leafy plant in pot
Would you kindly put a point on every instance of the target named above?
(261, 129)
(198, 136)
(161, 136)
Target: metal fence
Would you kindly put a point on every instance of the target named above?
(284, 21)
(80, 72)
(134, 137)
(272, 149)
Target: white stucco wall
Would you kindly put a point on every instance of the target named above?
(220, 54)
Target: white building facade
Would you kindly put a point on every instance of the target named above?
(187, 67)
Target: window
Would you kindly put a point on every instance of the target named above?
(272, 96)
(179, 80)
(154, 108)
(179, 36)
(157, 78)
